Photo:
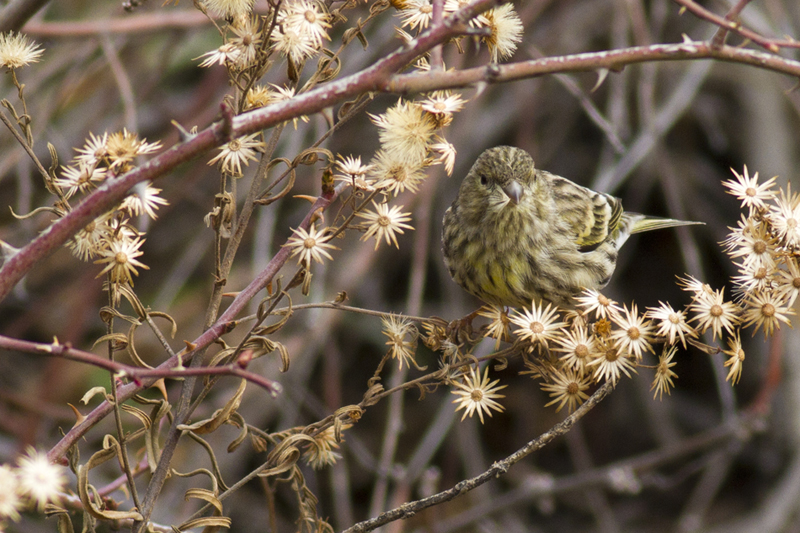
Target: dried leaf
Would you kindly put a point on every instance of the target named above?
(220, 416)
(118, 341)
(174, 329)
(132, 349)
(138, 413)
(208, 521)
(110, 450)
(237, 420)
(91, 394)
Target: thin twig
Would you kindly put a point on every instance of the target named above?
(496, 470)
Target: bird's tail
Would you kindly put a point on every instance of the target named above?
(646, 223)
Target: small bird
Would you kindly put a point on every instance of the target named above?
(516, 234)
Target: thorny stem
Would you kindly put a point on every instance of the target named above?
(719, 37)
(138, 375)
(728, 24)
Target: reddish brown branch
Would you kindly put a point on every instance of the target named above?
(136, 374)
(773, 45)
(613, 60)
(138, 24)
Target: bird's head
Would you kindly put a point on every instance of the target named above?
(502, 180)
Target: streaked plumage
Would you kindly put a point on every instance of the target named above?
(516, 233)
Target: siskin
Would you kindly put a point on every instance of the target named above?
(515, 233)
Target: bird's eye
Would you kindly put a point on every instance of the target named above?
(484, 180)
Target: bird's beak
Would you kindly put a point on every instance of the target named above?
(514, 191)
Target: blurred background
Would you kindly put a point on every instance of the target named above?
(661, 136)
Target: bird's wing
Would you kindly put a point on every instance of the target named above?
(592, 216)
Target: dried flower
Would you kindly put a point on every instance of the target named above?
(310, 245)
(577, 346)
(568, 388)
(764, 309)
(736, 360)
(321, 451)
(476, 394)
(238, 152)
(123, 146)
(39, 479)
(227, 54)
(402, 339)
(385, 223)
(715, 313)
(635, 333)
(247, 40)
(229, 8)
(749, 191)
(416, 13)
(405, 130)
(753, 242)
(506, 28)
(353, 171)
(784, 218)
(443, 103)
(82, 178)
(120, 255)
(694, 285)
(295, 46)
(144, 199)
(603, 307)
(538, 325)
(395, 173)
(664, 374)
(447, 155)
(788, 282)
(258, 96)
(94, 151)
(671, 323)
(307, 18)
(301, 29)
(610, 362)
(498, 327)
(752, 279)
(16, 51)
(88, 241)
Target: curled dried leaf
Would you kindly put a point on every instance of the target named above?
(107, 314)
(132, 349)
(119, 341)
(91, 394)
(237, 420)
(202, 492)
(138, 413)
(206, 522)
(174, 325)
(36, 211)
(110, 450)
(220, 416)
